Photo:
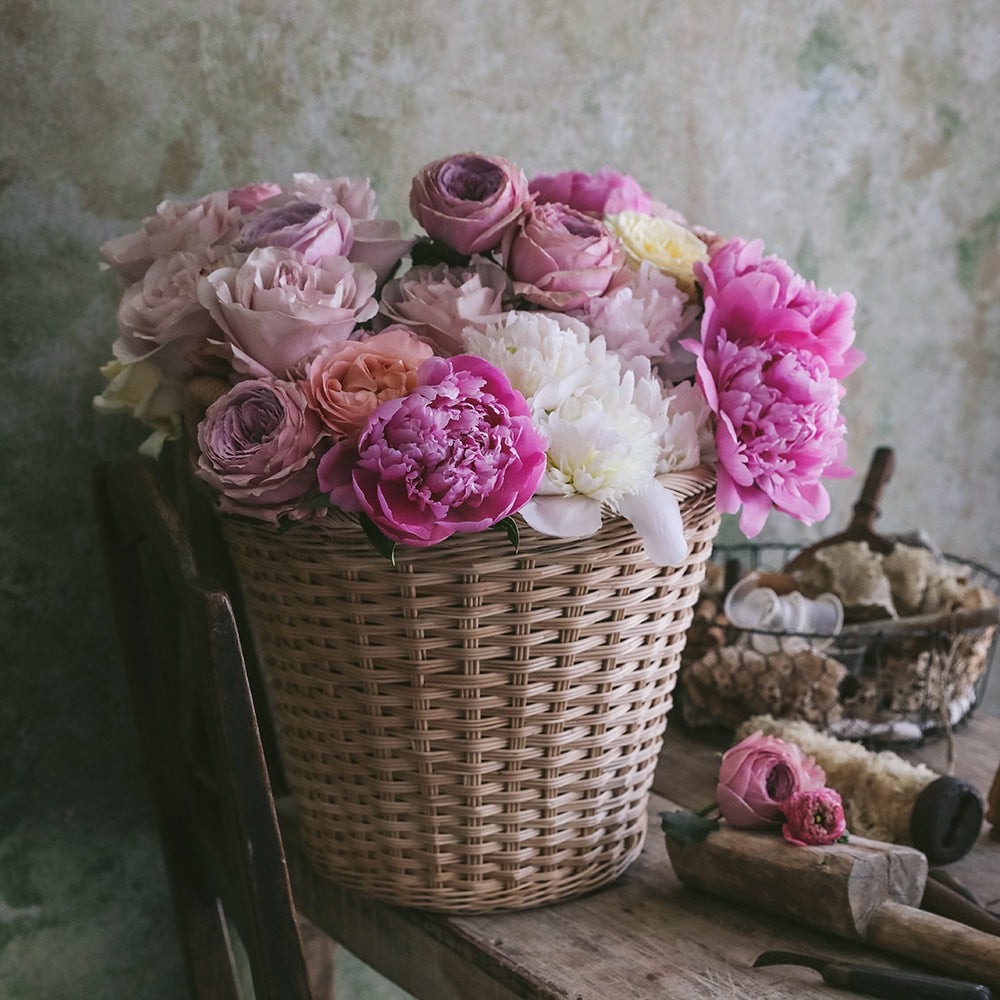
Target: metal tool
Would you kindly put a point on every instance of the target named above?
(879, 981)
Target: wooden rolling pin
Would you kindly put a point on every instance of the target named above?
(864, 889)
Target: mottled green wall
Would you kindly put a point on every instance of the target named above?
(860, 139)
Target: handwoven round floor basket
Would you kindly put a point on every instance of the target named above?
(472, 728)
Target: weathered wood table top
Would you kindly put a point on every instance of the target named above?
(644, 936)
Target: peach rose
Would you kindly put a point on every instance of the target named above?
(349, 379)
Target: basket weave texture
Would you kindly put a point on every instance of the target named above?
(474, 728)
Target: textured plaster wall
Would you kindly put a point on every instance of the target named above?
(859, 139)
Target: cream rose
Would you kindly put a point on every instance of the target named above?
(668, 246)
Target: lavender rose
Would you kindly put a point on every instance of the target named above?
(277, 312)
(469, 201)
(313, 230)
(559, 258)
(259, 447)
(438, 303)
(760, 774)
(459, 453)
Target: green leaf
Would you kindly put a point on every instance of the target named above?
(687, 827)
(319, 502)
(385, 547)
(431, 252)
(509, 525)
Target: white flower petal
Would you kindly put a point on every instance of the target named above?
(656, 516)
(572, 516)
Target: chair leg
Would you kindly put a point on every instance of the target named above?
(319, 950)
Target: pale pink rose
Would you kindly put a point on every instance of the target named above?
(604, 193)
(204, 227)
(349, 379)
(259, 446)
(277, 312)
(438, 303)
(765, 373)
(459, 453)
(559, 258)
(357, 197)
(160, 318)
(311, 229)
(469, 201)
(814, 817)
(379, 244)
(249, 197)
(758, 775)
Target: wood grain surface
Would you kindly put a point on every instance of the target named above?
(646, 937)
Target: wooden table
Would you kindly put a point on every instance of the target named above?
(645, 936)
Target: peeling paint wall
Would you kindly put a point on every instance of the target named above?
(859, 139)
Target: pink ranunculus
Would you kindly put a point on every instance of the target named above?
(160, 318)
(277, 312)
(249, 197)
(779, 429)
(437, 303)
(460, 453)
(347, 380)
(198, 228)
(814, 817)
(759, 774)
(559, 258)
(259, 446)
(469, 201)
(311, 229)
(799, 314)
(605, 193)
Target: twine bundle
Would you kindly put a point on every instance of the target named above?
(473, 728)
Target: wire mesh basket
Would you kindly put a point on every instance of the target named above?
(874, 683)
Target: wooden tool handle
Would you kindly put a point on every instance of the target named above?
(879, 473)
(938, 942)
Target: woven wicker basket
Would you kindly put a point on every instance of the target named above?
(471, 729)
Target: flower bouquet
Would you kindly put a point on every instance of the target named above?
(472, 721)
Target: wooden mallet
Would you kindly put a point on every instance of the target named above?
(864, 889)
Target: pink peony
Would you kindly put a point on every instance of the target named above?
(313, 230)
(459, 453)
(559, 258)
(641, 318)
(259, 446)
(277, 312)
(766, 377)
(800, 316)
(198, 228)
(161, 319)
(759, 774)
(439, 302)
(347, 380)
(605, 193)
(469, 201)
(814, 817)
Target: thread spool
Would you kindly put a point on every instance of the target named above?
(885, 797)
